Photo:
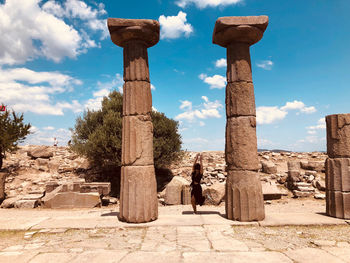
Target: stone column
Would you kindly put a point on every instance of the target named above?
(244, 198)
(338, 166)
(138, 193)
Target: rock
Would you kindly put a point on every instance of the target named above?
(26, 204)
(214, 194)
(41, 152)
(293, 166)
(297, 193)
(313, 166)
(269, 167)
(10, 202)
(73, 200)
(320, 185)
(173, 190)
(271, 191)
(320, 196)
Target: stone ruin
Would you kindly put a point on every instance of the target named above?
(138, 191)
(338, 166)
(244, 198)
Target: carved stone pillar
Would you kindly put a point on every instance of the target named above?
(338, 166)
(138, 193)
(244, 198)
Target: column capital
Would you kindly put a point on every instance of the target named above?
(239, 29)
(124, 30)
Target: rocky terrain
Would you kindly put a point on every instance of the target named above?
(32, 168)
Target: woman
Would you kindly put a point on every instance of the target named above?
(196, 192)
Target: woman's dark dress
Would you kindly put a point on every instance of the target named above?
(197, 189)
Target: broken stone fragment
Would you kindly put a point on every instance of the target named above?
(72, 200)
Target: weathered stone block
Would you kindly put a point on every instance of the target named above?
(269, 167)
(317, 166)
(338, 204)
(103, 188)
(271, 191)
(138, 195)
(136, 62)
(244, 29)
(41, 152)
(240, 100)
(26, 204)
(72, 200)
(173, 190)
(2, 186)
(238, 64)
(293, 165)
(186, 195)
(50, 186)
(214, 194)
(244, 197)
(124, 31)
(241, 143)
(137, 98)
(338, 135)
(137, 140)
(338, 174)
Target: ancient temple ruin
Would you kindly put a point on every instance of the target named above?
(338, 166)
(244, 198)
(138, 195)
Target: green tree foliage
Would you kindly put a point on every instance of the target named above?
(98, 135)
(12, 131)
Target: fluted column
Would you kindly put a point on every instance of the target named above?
(244, 198)
(338, 166)
(138, 193)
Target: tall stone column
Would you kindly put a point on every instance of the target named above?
(244, 198)
(338, 166)
(138, 193)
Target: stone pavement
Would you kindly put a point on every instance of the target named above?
(96, 235)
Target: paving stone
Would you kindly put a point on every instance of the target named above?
(192, 238)
(53, 257)
(312, 255)
(154, 257)
(323, 243)
(159, 239)
(236, 257)
(98, 256)
(16, 256)
(340, 252)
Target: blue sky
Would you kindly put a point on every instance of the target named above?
(56, 60)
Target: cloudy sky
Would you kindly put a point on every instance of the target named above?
(57, 60)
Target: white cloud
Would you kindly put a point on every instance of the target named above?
(201, 123)
(153, 87)
(221, 63)
(321, 125)
(205, 110)
(32, 30)
(48, 128)
(298, 105)
(215, 82)
(206, 3)
(265, 64)
(267, 115)
(46, 137)
(25, 90)
(104, 88)
(174, 26)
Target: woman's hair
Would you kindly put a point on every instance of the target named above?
(197, 166)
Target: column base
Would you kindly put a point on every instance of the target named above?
(244, 197)
(338, 204)
(138, 194)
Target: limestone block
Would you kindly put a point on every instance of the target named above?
(214, 194)
(293, 165)
(137, 140)
(269, 167)
(241, 143)
(338, 204)
(138, 195)
(103, 188)
(41, 152)
(136, 62)
(123, 31)
(244, 197)
(173, 190)
(137, 98)
(186, 195)
(317, 166)
(338, 174)
(247, 29)
(72, 200)
(271, 191)
(10, 202)
(338, 135)
(2, 186)
(26, 204)
(240, 100)
(238, 63)
(50, 186)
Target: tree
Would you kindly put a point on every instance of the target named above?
(97, 135)
(12, 131)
